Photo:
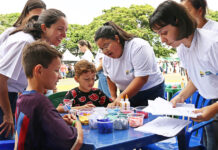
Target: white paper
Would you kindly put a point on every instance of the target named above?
(164, 126)
(162, 107)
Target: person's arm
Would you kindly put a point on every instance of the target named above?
(8, 123)
(112, 88)
(132, 89)
(79, 143)
(207, 112)
(184, 94)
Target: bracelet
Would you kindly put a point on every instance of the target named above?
(73, 124)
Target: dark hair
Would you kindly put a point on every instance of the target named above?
(172, 13)
(109, 30)
(47, 17)
(86, 43)
(84, 66)
(30, 5)
(38, 52)
(198, 4)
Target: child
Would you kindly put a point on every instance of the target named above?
(85, 95)
(38, 124)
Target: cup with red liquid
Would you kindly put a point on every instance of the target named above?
(139, 109)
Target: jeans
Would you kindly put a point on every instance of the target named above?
(211, 133)
(102, 83)
(142, 97)
(13, 99)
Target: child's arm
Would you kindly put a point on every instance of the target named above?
(207, 112)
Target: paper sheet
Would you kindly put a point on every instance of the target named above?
(162, 107)
(164, 126)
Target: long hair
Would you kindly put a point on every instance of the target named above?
(30, 5)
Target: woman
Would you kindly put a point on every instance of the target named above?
(129, 65)
(197, 8)
(31, 8)
(51, 26)
(197, 52)
(86, 48)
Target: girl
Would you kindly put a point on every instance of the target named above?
(197, 52)
(129, 65)
(51, 27)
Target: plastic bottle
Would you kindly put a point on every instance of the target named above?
(127, 103)
(182, 83)
(122, 103)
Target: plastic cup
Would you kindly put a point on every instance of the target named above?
(121, 122)
(135, 119)
(105, 126)
(131, 110)
(139, 109)
(73, 111)
(83, 116)
(114, 110)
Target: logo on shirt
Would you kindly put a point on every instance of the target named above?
(129, 71)
(207, 73)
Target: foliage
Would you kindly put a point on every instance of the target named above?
(133, 20)
(7, 20)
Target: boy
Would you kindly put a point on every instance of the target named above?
(38, 124)
(85, 95)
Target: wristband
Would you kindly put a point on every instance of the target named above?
(73, 124)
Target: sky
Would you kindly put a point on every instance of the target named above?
(84, 11)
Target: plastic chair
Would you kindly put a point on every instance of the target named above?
(57, 98)
(194, 132)
(7, 144)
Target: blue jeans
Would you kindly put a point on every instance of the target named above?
(102, 83)
(211, 134)
(142, 97)
(13, 99)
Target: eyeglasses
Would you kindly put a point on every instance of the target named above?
(105, 47)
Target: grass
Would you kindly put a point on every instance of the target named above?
(69, 83)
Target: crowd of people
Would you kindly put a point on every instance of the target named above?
(30, 65)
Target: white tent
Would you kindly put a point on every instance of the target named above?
(67, 56)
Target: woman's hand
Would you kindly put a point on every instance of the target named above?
(116, 102)
(177, 99)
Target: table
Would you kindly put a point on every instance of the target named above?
(122, 139)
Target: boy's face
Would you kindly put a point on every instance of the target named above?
(86, 81)
(51, 75)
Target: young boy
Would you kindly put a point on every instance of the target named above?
(38, 124)
(85, 95)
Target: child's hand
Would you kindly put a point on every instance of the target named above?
(69, 118)
(88, 106)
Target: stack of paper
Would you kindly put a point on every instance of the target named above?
(162, 107)
(164, 126)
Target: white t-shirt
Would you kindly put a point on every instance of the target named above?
(201, 62)
(10, 60)
(88, 56)
(211, 25)
(4, 35)
(137, 60)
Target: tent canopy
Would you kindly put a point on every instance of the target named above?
(67, 56)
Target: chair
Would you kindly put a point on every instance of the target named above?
(57, 98)
(194, 132)
(7, 144)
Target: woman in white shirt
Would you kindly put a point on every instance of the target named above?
(51, 26)
(197, 50)
(86, 48)
(197, 8)
(130, 65)
(31, 8)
